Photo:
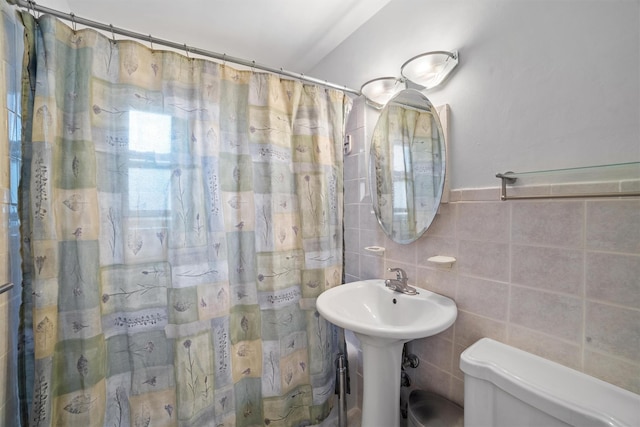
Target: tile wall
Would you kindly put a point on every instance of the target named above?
(10, 123)
(558, 278)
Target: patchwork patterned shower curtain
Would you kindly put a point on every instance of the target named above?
(180, 218)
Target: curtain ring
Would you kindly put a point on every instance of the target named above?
(253, 66)
(224, 60)
(186, 49)
(113, 34)
(73, 21)
(151, 41)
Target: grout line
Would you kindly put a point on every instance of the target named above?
(510, 274)
(583, 334)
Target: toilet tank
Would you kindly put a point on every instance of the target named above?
(507, 387)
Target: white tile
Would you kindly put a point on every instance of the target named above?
(483, 297)
(437, 350)
(549, 223)
(469, 328)
(440, 281)
(613, 278)
(484, 259)
(484, 221)
(613, 225)
(550, 268)
(613, 330)
(613, 370)
(395, 252)
(543, 345)
(556, 314)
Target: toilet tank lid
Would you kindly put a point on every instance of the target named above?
(565, 393)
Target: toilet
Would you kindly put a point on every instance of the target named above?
(427, 409)
(508, 387)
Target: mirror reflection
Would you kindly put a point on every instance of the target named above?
(407, 166)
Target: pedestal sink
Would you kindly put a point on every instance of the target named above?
(383, 320)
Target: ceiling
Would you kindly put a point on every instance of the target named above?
(291, 34)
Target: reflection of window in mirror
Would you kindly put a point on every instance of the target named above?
(149, 162)
(399, 181)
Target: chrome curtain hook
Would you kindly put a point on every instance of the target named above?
(73, 21)
(253, 66)
(32, 6)
(186, 49)
(113, 34)
(151, 41)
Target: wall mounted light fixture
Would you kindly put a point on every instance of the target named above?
(426, 71)
(379, 91)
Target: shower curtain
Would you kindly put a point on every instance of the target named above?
(179, 219)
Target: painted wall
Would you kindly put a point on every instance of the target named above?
(540, 85)
(61, 5)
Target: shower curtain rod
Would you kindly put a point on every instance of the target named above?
(32, 6)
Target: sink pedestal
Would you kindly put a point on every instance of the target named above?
(381, 369)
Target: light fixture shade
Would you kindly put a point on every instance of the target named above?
(379, 91)
(429, 69)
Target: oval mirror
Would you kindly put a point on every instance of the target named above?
(407, 166)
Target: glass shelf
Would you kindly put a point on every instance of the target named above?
(615, 180)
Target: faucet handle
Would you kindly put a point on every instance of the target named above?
(400, 273)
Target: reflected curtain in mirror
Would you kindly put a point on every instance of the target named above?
(180, 217)
(407, 166)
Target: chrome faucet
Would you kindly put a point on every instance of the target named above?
(399, 284)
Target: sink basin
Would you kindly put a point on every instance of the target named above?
(368, 307)
(383, 320)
